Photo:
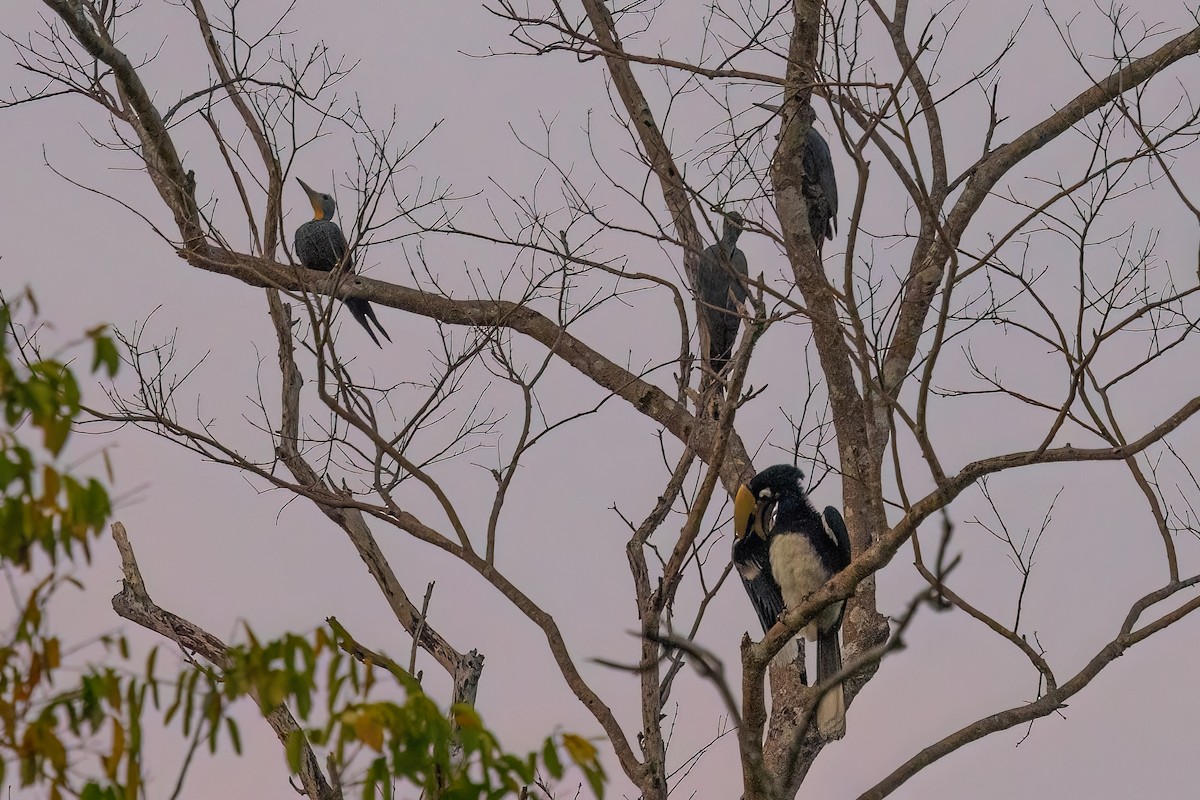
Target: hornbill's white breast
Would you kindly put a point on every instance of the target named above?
(799, 572)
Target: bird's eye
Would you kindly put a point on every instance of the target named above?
(765, 494)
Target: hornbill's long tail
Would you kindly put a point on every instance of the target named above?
(831, 710)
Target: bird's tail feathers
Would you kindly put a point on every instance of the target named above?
(362, 311)
(831, 709)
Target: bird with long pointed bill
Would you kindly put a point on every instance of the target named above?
(320, 244)
(784, 551)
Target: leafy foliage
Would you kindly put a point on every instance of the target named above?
(43, 731)
(43, 505)
(51, 734)
(405, 738)
(42, 726)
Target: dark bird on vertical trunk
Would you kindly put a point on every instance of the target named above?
(720, 289)
(320, 244)
(820, 188)
(819, 184)
(803, 550)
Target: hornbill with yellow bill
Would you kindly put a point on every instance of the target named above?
(784, 550)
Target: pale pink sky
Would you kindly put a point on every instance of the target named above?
(216, 550)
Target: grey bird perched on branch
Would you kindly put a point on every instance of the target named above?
(720, 289)
(320, 244)
(819, 184)
(784, 551)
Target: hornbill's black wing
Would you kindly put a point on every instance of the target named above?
(836, 527)
(751, 557)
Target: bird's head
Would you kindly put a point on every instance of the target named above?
(323, 204)
(735, 223)
(755, 505)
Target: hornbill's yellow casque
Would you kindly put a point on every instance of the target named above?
(720, 289)
(320, 244)
(784, 550)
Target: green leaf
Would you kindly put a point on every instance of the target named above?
(56, 432)
(113, 760)
(595, 779)
(105, 355)
(295, 750)
(235, 738)
(551, 760)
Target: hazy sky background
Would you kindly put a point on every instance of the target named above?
(218, 550)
